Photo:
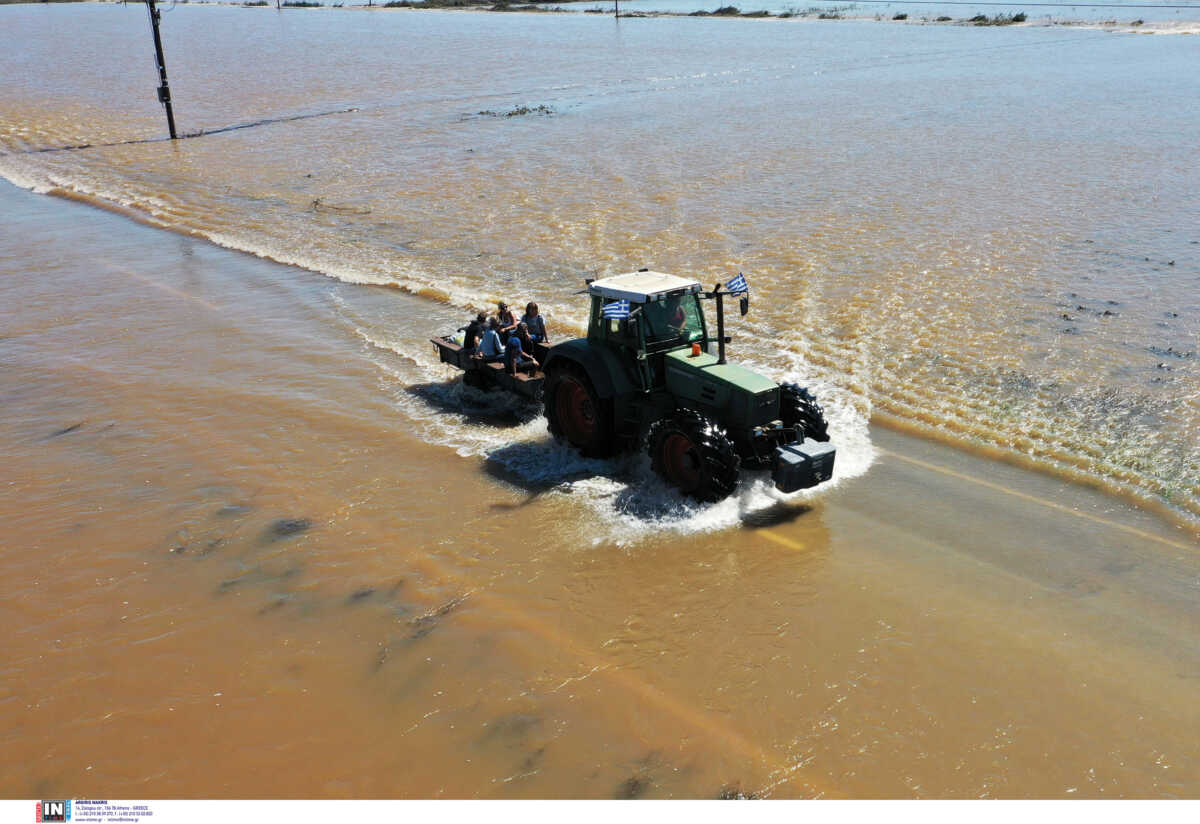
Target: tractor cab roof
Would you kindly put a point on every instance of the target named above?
(642, 287)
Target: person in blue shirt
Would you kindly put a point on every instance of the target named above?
(515, 356)
(490, 347)
(535, 323)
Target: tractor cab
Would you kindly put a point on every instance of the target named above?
(648, 312)
(645, 315)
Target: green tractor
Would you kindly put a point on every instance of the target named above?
(646, 377)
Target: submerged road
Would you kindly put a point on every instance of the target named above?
(227, 519)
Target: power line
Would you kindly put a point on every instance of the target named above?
(202, 133)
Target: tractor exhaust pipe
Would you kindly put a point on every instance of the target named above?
(720, 323)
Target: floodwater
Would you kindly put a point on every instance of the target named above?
(243, 503)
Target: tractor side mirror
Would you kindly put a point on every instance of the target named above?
(744, 305)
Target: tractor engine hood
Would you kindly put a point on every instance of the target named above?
(739, 398)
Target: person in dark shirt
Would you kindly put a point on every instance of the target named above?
(515, 357)
(506, 320)
(474, 331)
(522, 332)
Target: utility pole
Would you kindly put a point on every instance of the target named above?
(164, 91)
(616, 10)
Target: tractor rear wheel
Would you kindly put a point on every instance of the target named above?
(576, 412)
(692, 453)
(799, 410)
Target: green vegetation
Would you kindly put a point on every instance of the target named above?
(519, 111)
(729, 11)
(431, 4)
(944, 19)
(503, 5)
(899, 16)
(998, 20)
(300, 4)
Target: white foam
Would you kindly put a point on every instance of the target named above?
(22, 175)
(629, 501)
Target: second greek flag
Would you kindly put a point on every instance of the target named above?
(616, 309)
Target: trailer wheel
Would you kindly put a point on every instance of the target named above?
(575, 412)
(799, 410)
(692, 453)
(475, 379)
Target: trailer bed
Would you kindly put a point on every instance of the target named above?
(483, 375)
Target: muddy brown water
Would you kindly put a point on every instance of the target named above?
(234, 569)
(257, 542)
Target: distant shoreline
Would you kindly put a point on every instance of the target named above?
(847, 11)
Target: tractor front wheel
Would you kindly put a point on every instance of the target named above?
(799, 410)
(693, 454)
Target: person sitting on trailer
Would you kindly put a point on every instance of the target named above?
(522, 332)
(535, 322)
(515, 356)
(506, 319)
(490, 347)
(474, 331)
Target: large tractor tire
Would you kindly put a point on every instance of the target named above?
(576, 413)
(692, 453)
(798, 409)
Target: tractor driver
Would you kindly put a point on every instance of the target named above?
(676, 317)
(668, 320)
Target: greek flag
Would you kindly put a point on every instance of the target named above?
(616, 309)
(738, 285)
